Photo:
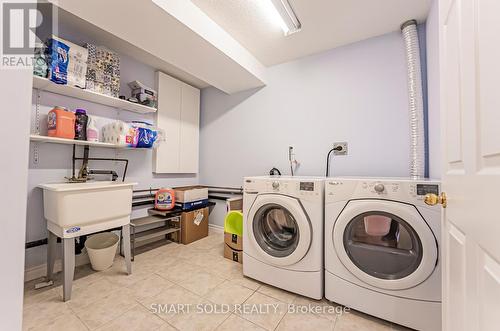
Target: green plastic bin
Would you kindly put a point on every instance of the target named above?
(234, 223)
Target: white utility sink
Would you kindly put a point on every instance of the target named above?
(76, 209)
(97, 205)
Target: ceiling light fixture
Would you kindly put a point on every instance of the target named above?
(285, 14)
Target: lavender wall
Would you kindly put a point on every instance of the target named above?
(356, 93)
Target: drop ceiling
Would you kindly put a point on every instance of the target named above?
(325, 24)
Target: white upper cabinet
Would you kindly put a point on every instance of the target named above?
(179, 116)
(189, 129)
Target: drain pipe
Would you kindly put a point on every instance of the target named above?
(415, 100)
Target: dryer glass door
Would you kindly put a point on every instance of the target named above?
(383, 245)
(276, 230)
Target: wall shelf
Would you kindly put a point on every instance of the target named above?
(71, 91)
(55, 140)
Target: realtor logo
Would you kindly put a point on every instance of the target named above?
(25, 26)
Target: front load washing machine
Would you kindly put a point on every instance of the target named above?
(283, 232)
(382, 249)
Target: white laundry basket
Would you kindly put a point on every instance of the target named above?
(102, 250)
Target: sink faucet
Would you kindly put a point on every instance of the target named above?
(84, 172)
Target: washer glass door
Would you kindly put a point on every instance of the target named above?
(276, 230)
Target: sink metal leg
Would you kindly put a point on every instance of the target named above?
(51, 255)
(126, 247)
(68, 266)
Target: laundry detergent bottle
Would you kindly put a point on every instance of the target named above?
(61, 123)
(165, 199)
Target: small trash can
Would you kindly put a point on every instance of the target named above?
(102, 250)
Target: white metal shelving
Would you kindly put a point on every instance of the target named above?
(71, 91)
(55, 140)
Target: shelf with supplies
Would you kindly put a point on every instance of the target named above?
(55, 140)
(45, 84)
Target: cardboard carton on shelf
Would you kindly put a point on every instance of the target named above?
(188, 197)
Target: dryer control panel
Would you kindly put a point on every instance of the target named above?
(406, 190)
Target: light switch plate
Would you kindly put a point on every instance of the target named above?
(344, 148)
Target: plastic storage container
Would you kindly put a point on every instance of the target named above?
(102, 250)
(165, 199)
(61, 123)
(233, 223)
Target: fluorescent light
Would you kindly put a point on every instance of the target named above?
(285, 16)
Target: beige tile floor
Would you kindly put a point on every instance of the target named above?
(170, 275)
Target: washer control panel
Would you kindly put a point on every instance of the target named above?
(306, 186)
(301, 187)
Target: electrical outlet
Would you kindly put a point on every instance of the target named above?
(344, 148)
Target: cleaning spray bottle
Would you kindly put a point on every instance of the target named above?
(92, 132)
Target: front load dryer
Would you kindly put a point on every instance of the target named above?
(283, 232)
(382, 249)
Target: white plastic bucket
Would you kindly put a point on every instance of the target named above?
(102, 250)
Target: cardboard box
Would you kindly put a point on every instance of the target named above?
(191, 193)
(194, 225)
(233, 247)
(192, 204)
(234, 255)
(234, 241)
(234, 204)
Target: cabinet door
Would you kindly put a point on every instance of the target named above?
(168, 118)
(190, 128)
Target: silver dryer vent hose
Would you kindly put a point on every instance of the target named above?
(415, 99)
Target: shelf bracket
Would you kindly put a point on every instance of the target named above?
(36, 127)
(36, 154)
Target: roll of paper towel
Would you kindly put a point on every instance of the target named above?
(120, 133)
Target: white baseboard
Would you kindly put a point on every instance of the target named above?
(41, 270)
(216, 228)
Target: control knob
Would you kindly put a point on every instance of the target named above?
(379, 188)
(276, 185)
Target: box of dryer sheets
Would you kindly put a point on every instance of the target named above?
(189, 197)
(194, 225)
